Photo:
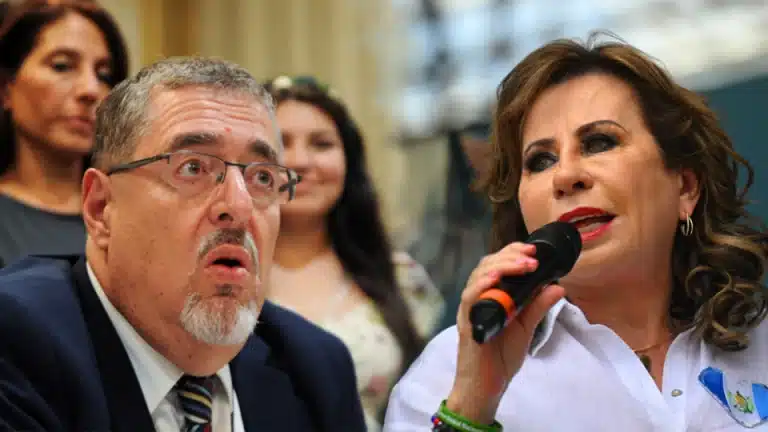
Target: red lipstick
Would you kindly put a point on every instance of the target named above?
(591, 222)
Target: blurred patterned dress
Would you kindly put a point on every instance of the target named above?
(375, 351)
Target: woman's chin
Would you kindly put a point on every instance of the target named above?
(594, 264)
(73, 146)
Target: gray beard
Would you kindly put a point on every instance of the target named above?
(213, 327)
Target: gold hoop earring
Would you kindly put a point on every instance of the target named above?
(687, 227)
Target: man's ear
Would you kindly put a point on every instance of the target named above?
(690, 191)
(97, 202)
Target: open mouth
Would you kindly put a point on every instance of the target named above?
(228, 262)
(230, 257)
(587, 224)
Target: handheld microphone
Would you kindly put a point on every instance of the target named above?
(558, 245)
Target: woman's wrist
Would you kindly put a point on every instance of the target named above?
(473, 407)
(447, 420)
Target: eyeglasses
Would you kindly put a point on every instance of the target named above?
(192, 173)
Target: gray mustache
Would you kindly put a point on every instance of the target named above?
(233, 236)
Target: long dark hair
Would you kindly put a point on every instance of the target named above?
(354, 224)
(20, 27)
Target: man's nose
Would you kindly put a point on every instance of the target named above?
(234, 204)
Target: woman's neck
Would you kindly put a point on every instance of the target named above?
(45, 180)
(297, 245)
(638, 314)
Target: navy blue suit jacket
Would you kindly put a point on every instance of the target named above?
(64, 368)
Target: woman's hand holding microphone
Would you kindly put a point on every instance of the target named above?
(483, 371)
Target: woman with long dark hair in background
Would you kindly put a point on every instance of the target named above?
(334, 262)
(58, 60)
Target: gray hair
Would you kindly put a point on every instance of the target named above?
(122, 117)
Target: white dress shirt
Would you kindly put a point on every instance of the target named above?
(157, 376)
(583, 377)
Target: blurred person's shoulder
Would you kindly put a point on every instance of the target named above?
(279, 326)
(36, 290)
(45, 347)
(26, 230)
(42, 325)
(34, 275)
(423, 298)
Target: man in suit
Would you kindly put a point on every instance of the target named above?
(155, 328)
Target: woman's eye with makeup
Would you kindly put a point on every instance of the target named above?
(322, 144)
(599, 143)
(61, 66)
(104, 74)
(540, 161)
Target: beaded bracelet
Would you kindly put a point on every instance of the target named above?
(445, 420)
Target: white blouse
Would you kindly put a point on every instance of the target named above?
(583, 377)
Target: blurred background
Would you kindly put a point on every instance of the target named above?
(420, 78)
(420, 75)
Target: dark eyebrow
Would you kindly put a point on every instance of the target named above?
(62, 51)
(547, 143)
(259, 147)
(322, 134)
(590, 127)
(263, 150)
(544, 144)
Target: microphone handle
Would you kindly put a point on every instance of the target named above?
(491, 313)
(488, 317)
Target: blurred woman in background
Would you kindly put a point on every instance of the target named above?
(333, 261)
(58, 60)
(454, 231)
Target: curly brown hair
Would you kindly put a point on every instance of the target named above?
(718, 270)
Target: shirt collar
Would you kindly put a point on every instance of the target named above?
(544, 330)
(156, 374)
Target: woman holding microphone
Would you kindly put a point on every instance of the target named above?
(660, 324)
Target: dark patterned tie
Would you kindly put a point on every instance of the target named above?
(196, 399)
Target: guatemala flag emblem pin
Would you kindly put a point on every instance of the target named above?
(745, 401)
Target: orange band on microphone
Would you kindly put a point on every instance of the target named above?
(500, 296)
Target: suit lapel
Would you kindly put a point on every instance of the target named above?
(265, 392)
(125, 400)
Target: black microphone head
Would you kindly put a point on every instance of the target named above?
(564, 242)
